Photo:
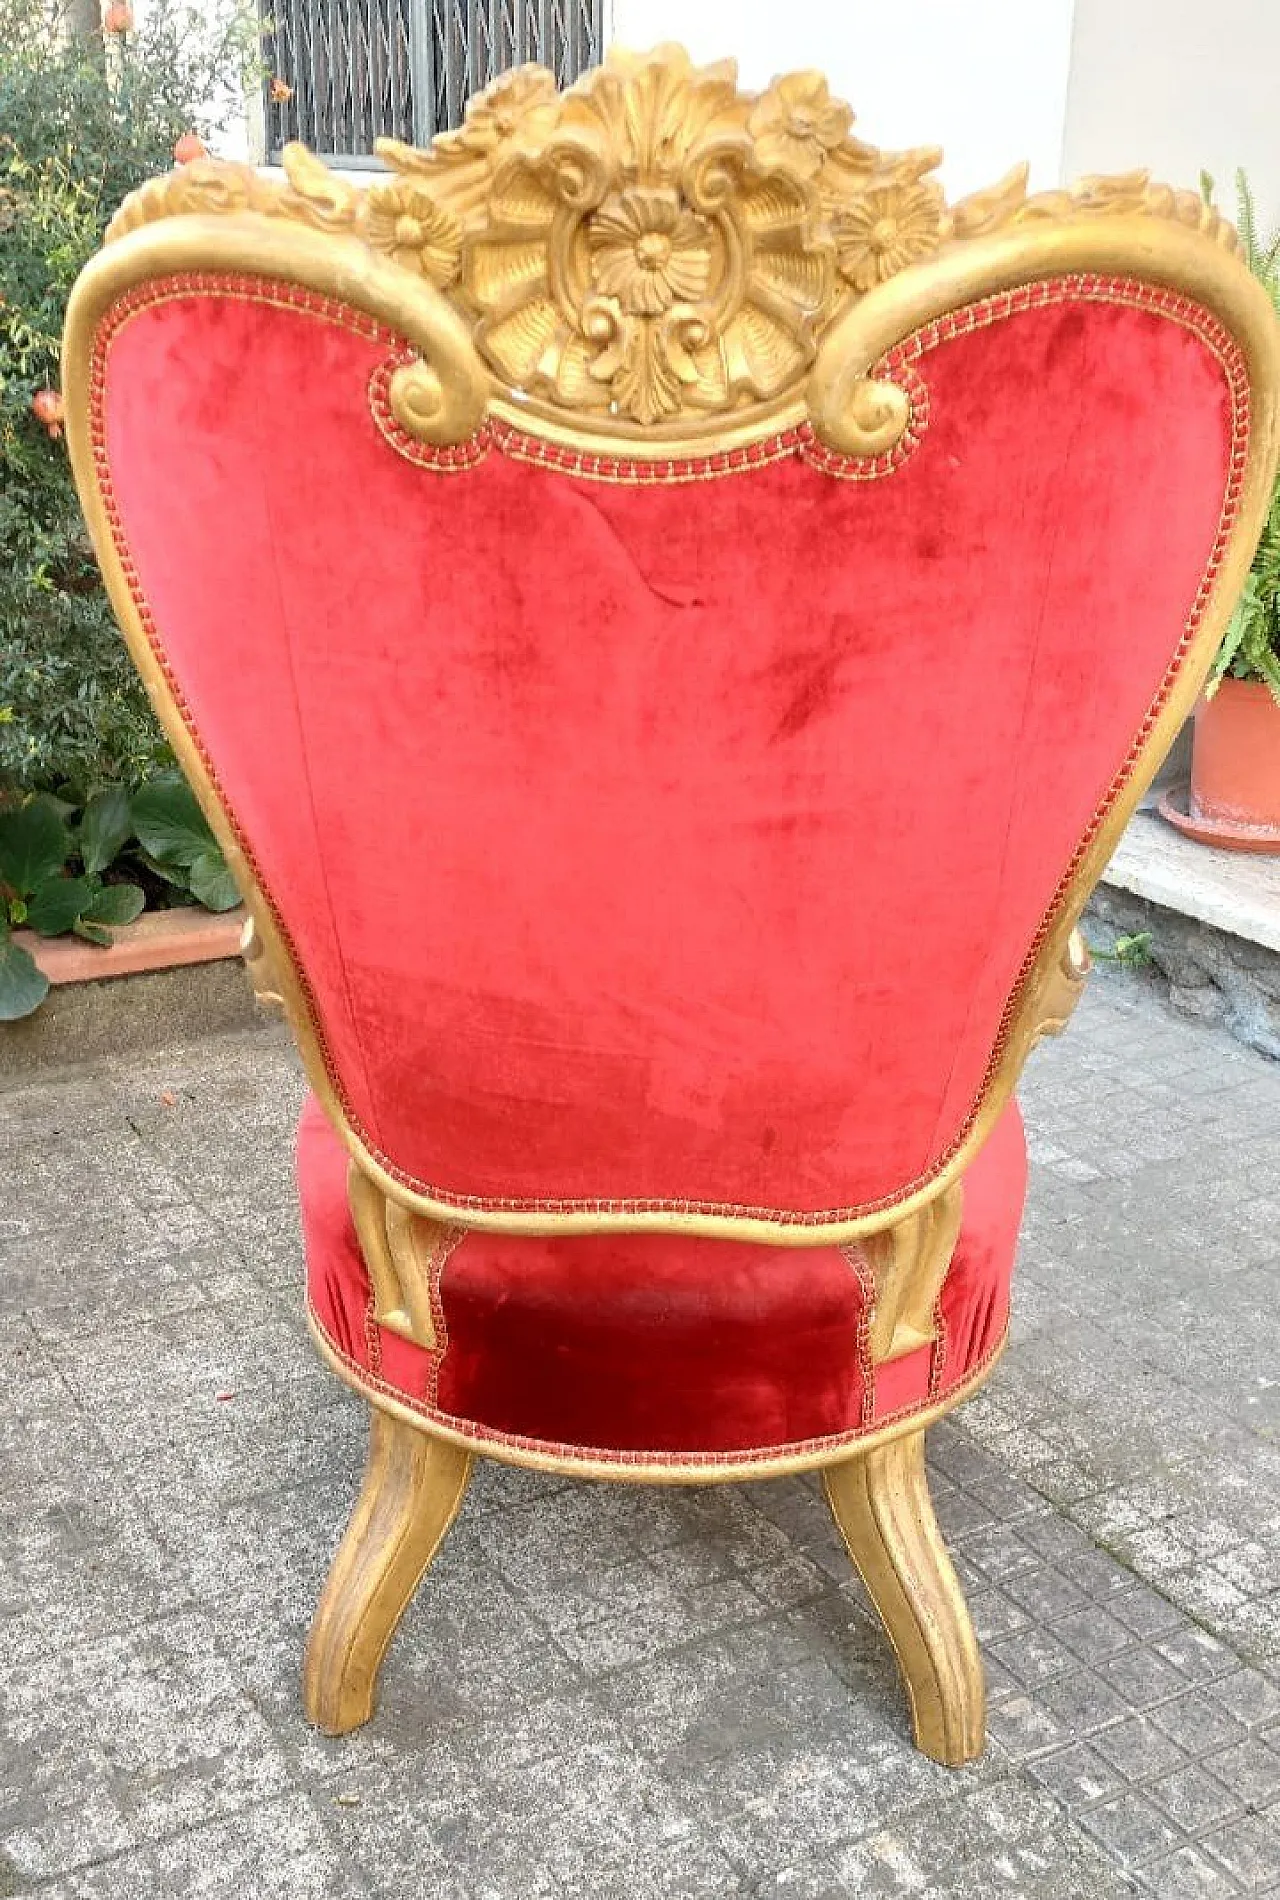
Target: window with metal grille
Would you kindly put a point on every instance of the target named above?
(357, 70)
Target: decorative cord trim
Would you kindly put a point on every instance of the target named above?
(239, 287)
(1125, 292)
(482, 1435)
(855, 1258)
(450, 458)
(373, 1334)
(444, 1249)
(645, 472)
(938, 1355)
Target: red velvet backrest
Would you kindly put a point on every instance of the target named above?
(676, 842)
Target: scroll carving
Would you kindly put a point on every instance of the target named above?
(398, 1247)
(1063, 987)
(909, 1262)
(257, 961)
(651, 246)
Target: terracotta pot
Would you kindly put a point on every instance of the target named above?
(1235, 759)
(159, 940)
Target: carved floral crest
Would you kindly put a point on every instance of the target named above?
(651, 243)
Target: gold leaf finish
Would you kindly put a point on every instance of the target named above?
(884, 1513)
(413, 1488)
(653, 247)
(554, 333)
(647, 266)
(885, 229)
(909, 1263)
(405, 221)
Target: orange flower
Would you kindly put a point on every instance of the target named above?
(46, 406)
(189, 148)
(281, 91)
(118, 18)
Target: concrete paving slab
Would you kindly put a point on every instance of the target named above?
(602, 1692)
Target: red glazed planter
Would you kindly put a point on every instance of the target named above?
(1235, 771)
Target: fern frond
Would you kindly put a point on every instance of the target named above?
(1232, 639)
(1246, 219)
(1251, 644)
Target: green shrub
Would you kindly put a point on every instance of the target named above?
(82, 122)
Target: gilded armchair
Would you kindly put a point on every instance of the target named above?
(668, 620)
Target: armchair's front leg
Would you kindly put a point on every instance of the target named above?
(413, 1486)
(880, 1501)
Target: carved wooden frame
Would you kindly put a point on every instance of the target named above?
(650, 270)
(797, 257)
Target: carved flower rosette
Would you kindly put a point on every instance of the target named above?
(652, 243)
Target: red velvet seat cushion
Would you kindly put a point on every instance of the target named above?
(625, 1344)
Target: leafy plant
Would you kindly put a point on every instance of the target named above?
(1250, 647)
(1130, 952)
(82, 122)
(59, 876)
(177, 844)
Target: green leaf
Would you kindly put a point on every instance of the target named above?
(105, 826)
(169, 823)
(171, 873)
(212, 882)
(23, 987)
(54, 907)
(1134, 951)
(114, 904)
(93, 933)
(1232, 639)
(34, 844)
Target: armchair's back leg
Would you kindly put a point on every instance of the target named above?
(413, 1486)
(880, 1500)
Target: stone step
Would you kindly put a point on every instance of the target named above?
(1214, 922)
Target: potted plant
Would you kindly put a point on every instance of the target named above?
(1235, 760)
(87, 871)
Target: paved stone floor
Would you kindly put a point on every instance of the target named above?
(610, 1692)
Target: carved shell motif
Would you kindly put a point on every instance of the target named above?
(651, 243)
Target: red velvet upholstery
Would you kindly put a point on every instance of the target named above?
(667, 844)
(631, 1343)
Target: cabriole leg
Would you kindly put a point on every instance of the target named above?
(413, 1486)
(880, 1500)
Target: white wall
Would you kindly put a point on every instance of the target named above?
(1072, 85)
(985, 79)
(1176, 85)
